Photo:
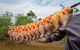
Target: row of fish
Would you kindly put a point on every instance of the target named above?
(37, 29)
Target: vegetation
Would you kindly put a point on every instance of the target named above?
(4, 23)
(6, 18)
(25, 19)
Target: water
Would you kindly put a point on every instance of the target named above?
(31, 46)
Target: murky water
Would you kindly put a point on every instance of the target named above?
(33, 46)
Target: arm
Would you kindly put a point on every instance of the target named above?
(54, 37)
